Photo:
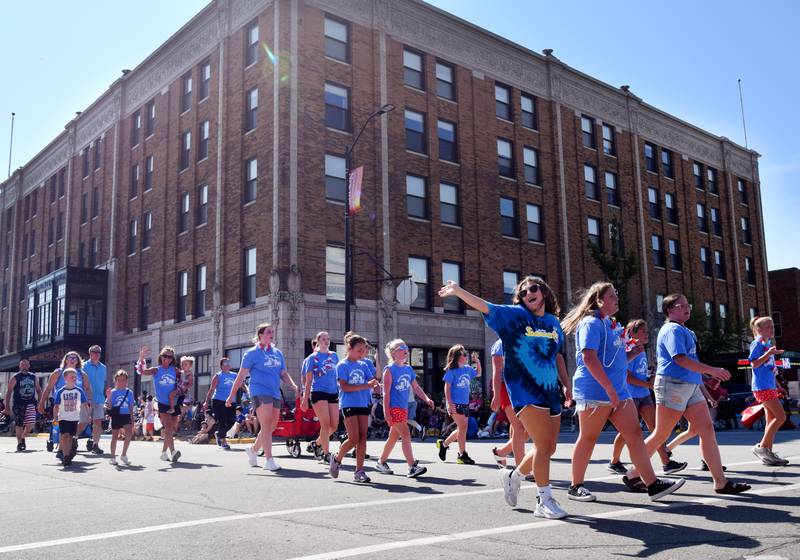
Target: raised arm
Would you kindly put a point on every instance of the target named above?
(453, 289)
(477, 362)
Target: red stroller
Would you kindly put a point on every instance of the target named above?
(296, 426)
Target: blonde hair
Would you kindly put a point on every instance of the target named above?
(70, 371)
(588, 305)
(120, 373)
(189, 359)
(757, 322)
(391, 346)
(260, 329)
(79, 366)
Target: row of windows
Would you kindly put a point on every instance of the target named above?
(589, 139)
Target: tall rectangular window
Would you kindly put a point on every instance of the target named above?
(136, 127)
(445, 81)
(502, 101)
(251, 43)
(335, 182)
(508, 217)
(723, 315)
(95, 202)
(186, 149)
(658, 250)
(747, 237)
(149, 172)
(84, 207)
(334, 273)
(416, 197)
(612, 193)
(530, 159)
(183, 221)
(448, 147)
(250, 179)
(666, 163)
(528, 111)
(85, 162)
(505, 158)
(53, 193)
(534, 219)
(202, 205)
(133, 229)
(418, 270)
(98, 153)
(650, 158)
(415, 131)
(205, 81)
(147, 228)
(203, 132)
(587, 132)
(741, 186)
(186, 92)
(749, 271)
(200, 291)
(697, 173)
(182, 296)
(709, 313)
(93, 253)
(593, 227)
(675, 255)
(81, 254)
(716, 223)
(412, 69)
(702, 219)
(251, 109)
(719, 265)
(590, 182)
(336, 39)
(60, 226)
(448, 204)
(452, 271)
(144, 307)
(62, 182)
(654, 205)
(705, 261)
(711, 177)
(609, 140)
(150, 124)
(51, 231)
(672, 210)
(337, 107)
(510, 281)
(249, 277)
(134, 188)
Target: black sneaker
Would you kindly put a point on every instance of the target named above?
(442, 449)
(464, 459)
(59, 454)
(20, 447)
(89, 444)
(24, 446)
(579, 493)
(96, 450)
(661, 488)
(704, 466)
(74, 449)
(634, 484)
(617, 468)
(674, 466)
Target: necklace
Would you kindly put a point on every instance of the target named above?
(605, 341)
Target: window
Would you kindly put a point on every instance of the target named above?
(136, 127)
(133, 229)
(448, 148)
(85, 162)
(659, 304)
(202, 205)
(750, 272)
(709, 313)
(741, 186)
(705, 262)
(51, 231)
(448, 204)
(719, 264)
(186, 92)
(445, 81)
(249, 277)
(200, 291)
(335, 182)
(60, 226)
(650, 158)
(251, 43)
(53, 193)
(528, 107)
(134, 181)
(34, 200)
(675, 255)
(186, 149)
(334, 273)
(452, 271)
(505, 158)
(697, 173)
(723, 315)
(415, 197)
(508, 217)
(653, 203)
(747, 237)
(149, 171)
(609, 140)
(415, 131)
(62, 182)
(205, 81)
(777, 319)
(183, 293)
(84, 207)
(412, 69)
(666, 163)
(202, 140)
(716, 224)
(93, 253)
(593, 226)
(336, 39)
(337, 107)
(530, 159)
(98, 153)
(534, 218)
(590, 182)
(144, 306)
(587, 132)
(510, 281)
(502, 102)
(702, 220)
(251, 109)
(32, 250)
(658, 250)
(418, 270)
(251, 179)
(672, 211)
(147, 227)
(150, 124)
(95, 202)
(612, 194)
(712, 180)
(184, 215)
(753, 313)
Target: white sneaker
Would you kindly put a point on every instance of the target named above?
(549, 509)
(511, 486)
(383, 468)
(165, 457)
(760, 452)
(113, 461)
(271, 465)
(124, 459)
(252, 456)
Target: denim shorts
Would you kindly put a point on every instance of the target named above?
(589, 404)
(675, 394)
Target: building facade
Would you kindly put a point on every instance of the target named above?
(208, 186)
(784, 288)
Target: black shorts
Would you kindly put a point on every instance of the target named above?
(163, 408)
(119, 420)
(68, 427)
(462, 409)
(317, 396)
(355, 411)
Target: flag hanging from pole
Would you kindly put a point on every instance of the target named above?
(355, 189)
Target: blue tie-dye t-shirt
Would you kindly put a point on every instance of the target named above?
(531, 344)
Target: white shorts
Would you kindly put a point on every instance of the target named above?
(98, 411)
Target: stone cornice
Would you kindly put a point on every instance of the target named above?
(46, 163)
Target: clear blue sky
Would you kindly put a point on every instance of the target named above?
(683, 57)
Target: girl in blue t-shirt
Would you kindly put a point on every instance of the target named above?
(532, 342)
(457, 378)
(217, 394)
(678, 394)
(765, 388)
(356, 382)
(601, 391)
(322, 390)
(165, 378)
(399, 381)
(119, 401)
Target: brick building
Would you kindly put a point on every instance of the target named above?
(784, 289)
(203, 191)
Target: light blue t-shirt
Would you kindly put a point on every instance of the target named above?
(764, 376)
(402, 378)
(497, 348)
(225, 383)
(323, 371)
(638, 368)
(164, 382)
(608, 341)
(265, 365)
(673, 340)
(354, 373)
(60, 380)
(459, 379)
(97, 379)
(123, 398)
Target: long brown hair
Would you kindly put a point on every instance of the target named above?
(550, 300)
(453, 355)
(260, 329)
(633, 326)
(588, 305)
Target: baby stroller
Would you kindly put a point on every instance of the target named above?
(296, 426)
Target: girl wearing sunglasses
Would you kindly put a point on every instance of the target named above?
(457, 378)
(165, 379)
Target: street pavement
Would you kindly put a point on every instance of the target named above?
(212, 504)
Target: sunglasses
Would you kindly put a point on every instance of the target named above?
(680, 305)
(524, 291)
(402, 347)
(170, 356)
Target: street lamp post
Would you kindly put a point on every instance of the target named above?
(348, 250)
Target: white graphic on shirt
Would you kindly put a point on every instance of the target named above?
(356, 377)
(403, 384)
(463, 381)
(271, 362)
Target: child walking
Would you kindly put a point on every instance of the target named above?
(67, 405)
(457, 377)
(120, 402)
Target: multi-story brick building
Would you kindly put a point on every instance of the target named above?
(203, 191)
(784, 288)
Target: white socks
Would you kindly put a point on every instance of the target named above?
(545, 492)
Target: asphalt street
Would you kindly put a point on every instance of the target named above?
(213, 504)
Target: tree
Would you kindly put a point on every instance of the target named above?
(617, 266)
(715, 336)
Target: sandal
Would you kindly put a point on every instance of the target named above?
(733, 488)
(501, 461)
